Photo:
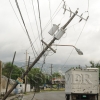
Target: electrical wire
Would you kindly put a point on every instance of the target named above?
(30, 22)
(88, 7)
(80, 33)
(53, 16)
(62, 18)
(75, 45)
(50, 13)
(44, 56)
(78, 37)
(40, 21)
(36, 25)
(73, 25)
(16, 16)
(26, 29)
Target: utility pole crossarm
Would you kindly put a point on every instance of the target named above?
(48, 46)
(78, 15)
(69, 20)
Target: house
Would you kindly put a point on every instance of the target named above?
(3, 83)
(19, 88)
(58, 81)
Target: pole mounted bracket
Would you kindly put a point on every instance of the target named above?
(48, 46)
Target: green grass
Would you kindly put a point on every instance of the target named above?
(49, 89)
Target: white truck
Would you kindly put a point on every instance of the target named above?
(82, 84)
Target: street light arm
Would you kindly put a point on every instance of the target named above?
(78, 50)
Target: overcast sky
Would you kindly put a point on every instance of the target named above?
(84, 35)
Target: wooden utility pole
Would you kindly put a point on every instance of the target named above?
(37, 58)
(10, 72)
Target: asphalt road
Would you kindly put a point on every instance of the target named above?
(58, 95)
(53, 95)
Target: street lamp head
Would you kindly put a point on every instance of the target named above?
(79, 51)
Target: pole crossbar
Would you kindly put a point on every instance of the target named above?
(49, 47)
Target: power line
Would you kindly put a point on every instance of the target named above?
(53, 16)
(36, 25)
(26, 28)
(44, 56)
(40, 21)
(88, 7)
(75, 45)
(50, 12)
(16, 16)
(30, 22)
(73, 25)
(80, 33)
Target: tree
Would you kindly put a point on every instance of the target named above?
(36, 78)
(15, 73)
(56, 74)
(6, 69)
(48, 79)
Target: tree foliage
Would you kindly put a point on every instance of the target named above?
(36, 77)
(15, 73)
(56, 74)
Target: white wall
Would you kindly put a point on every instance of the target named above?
(22, 87)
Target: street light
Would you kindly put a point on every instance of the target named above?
(78, 50)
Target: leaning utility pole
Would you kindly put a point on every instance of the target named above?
(56, 37)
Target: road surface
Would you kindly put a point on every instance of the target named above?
(53, 95)
(58, 95)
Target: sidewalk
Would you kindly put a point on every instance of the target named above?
(15, 96)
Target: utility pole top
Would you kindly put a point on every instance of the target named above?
(70, 20)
